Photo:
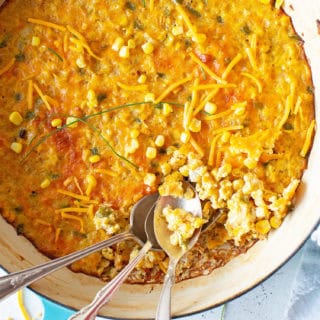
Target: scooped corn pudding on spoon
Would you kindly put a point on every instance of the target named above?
(103, 102)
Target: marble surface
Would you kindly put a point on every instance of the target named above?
(292, 293)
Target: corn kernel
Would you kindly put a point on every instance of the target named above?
(165, 168)
(35, 41)
(16, 118)
(16, 147)
(263, 226)
(71, 120)
(80, 62)
(159, 140)
(56, 123)
(94, 158)
(133, 146)
(151, 152)
(177, 30)
(149, 179)
(134, 133)
(147, 48)
(142, 79)
(92, 99)
(210, 107)
(91, 183)
(166, 109)
(149, 97)
(124, 52)
(199, 38)
(45, 183)
(275, 222)
(195, 125)
(185, 136)
(225, 137)
(131, 44)
(118, 43)
(250, 163)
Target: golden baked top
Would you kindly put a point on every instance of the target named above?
(103, 102)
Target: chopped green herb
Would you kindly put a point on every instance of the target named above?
(29, 115)
(18, 209)
(56, 54)
(219, 19)
(161, 75)
(204, 76)
(94, 151)
(54, 176)
(20, 57)
(258, 105)
(18, 96)
(162, 150)
(137, 24)
(130, 5)
(144, 3)
(193, 11)
(3, 43)
(79, 234)
(187, 43)
(159, 105)
(310, 90)
(20, 229)
(296, 37)
(101, 97)
(288, 126)
(22, 133)
(246, 30)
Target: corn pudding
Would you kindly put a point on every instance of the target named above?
(103, 102)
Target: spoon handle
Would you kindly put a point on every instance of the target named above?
(90, 311)
(164, 306)
(15, 281)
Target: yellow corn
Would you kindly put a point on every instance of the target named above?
(142, 79)
(16, 147)
(151, 152)
(118, 43)
(166, 109)
(134, 133)
(94, 158)
(147, 48)
(131, 44)
(91, 183)
(92, 99)
(263, 226)
(195, 125)
(275, 222)
(124, 52)
(16, 118)
(149, 179)
(56, 123)
(210, 107)
(45, 183)
(149, 97)
(185, 136)
(71, 120)
(35, 41)
(159, 140)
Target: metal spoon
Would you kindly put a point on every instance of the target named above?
(174, 252)
(90, 311)
(13, 282)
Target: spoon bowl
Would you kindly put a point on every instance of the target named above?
(175, 252)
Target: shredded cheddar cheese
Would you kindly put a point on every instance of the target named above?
(67, 216)
(47, 24)
(30, 94)
(42, 96)
(141, 87)
(73, 195)
(308, 139)
(7, 67)
(231, 65)
(254, 79)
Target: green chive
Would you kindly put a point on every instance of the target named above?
(55, 53)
